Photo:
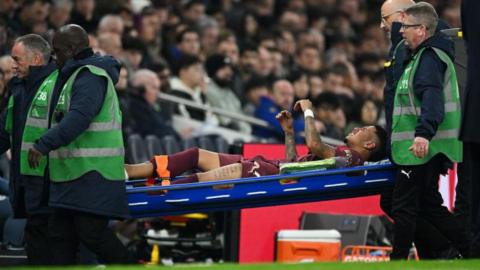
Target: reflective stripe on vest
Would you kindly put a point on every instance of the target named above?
(410, 110)
(89, 152)
(100, 147)
(407, 109)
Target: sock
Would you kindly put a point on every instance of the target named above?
(181, 162)
(189, 179)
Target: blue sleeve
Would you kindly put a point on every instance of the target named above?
(88, 94)
(428, 85)
(265, 113)
(4, 135)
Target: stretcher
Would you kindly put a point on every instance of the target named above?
(306, 186)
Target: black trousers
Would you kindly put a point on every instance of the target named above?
(69, 228)
(416, 194)
(467, 207)
(430, 243)
(36, 239)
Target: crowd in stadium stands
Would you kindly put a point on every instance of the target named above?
(228, 54)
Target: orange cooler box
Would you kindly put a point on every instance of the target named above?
(308, 245)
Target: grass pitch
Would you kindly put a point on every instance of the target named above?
(399, 265)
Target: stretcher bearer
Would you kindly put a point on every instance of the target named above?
(25, 120)
(85, 152)
(425, 125)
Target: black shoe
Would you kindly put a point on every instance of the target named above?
(450, 254)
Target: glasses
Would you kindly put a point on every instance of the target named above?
(405, 26)
(385, 17)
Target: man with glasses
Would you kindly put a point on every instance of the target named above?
(425, 124)
(429, 242)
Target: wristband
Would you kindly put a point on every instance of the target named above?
(308, 113)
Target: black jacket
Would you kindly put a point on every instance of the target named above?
(470, 130)
(90, 193)
(398, 59)
(148, 120)
(28, 194)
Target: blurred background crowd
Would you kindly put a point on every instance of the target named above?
(247, 57)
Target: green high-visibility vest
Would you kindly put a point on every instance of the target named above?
(100, 147)
(36, 124)
(407, 110)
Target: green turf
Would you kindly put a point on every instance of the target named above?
(438, 265)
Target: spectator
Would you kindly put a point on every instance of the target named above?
(59, 13)
(193, 11)
(123, 93)
(300, 84)
(111, 44)
(308, 59)
(280, 98)
(311, 37)
(368, 115)
(316, 85)
(248, 60)
(255, 89)
(209, 34)
(219, 93)
(133, 52)
(188, 85)
(111, 24)
(279, 70)
(264, 65)
(31, 17)
(330, 114)
(163, 73)
(287, 45)
(150, 34)
(149, 117)
(6, 66)
(187, 42)
(229, 48)
(83, 14)
(3, 91)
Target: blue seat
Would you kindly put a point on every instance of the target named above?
(189, 143)
(13, 233)
(206, 143)
(154, 146)
(136, 149)
(221, 145)
(170, 144)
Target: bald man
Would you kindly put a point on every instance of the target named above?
(430, 243)
(85, 150)
(281, 97)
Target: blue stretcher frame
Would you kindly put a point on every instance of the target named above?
(307, 186)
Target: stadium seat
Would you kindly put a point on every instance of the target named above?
(206, 143)
(170, 144)
(154, 146)
(221, 145)
(136, 150)
(189, 143)
(13, 236)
